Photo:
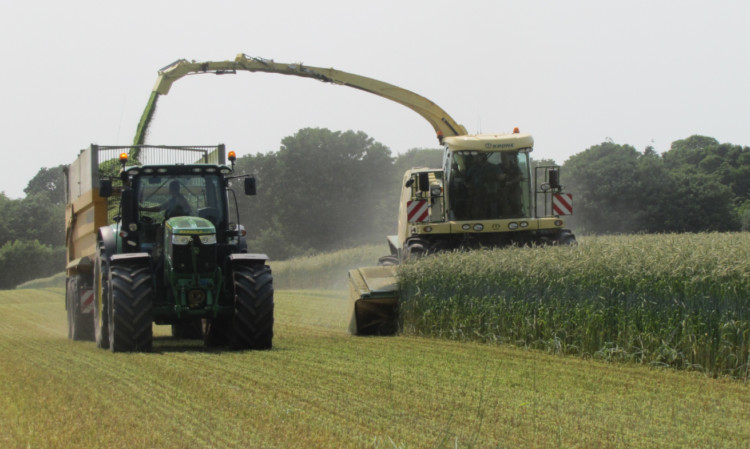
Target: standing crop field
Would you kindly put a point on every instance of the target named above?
(677, 300)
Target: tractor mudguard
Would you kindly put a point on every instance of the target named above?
(129, 257)
(107, 236)
(247, 259)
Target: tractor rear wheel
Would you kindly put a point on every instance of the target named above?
(130, 321)
(252, 325)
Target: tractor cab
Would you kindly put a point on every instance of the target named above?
(164, 198)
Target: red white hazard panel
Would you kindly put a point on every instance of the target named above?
(87, 301)
(562, 203)
(417, 211)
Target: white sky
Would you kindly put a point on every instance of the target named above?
(572, 73)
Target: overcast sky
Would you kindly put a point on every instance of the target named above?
(571, 73)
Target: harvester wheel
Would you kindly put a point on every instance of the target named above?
(80, 325)
(388, 260)
(252, 326)
(566, 237)
(130, 327)
(101, 300)
(416, 247)
(189, 330)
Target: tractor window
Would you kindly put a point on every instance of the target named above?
(164, 197)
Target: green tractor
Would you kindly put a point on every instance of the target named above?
(174, 256)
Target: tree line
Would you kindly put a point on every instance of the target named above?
(698, 185)
(326, 190)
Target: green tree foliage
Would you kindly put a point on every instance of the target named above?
(32, 232)
(698, 185)
(603, 180)
(32, 218)
(49, 182)
(324, 190)
(22, 261)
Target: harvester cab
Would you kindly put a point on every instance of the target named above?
(484, 196)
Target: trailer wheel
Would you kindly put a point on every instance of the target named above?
(252, 325)
(130, 321)
(69, 306)
(188, 330)
(101, 299)
(80, 325)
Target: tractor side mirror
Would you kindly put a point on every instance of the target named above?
(105, 188)
(424, 182)
(128, 206)
(250, 186)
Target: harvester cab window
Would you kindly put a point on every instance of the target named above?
(488, 185)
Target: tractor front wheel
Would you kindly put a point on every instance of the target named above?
(252, 324)
(130, 321)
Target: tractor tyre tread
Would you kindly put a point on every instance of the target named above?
(252, 325)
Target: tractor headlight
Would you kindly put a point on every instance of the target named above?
(181, 239)
(208, 239)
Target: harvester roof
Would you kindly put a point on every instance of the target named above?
(490, 142)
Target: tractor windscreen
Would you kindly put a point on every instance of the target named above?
(489, 185)
(166, 196)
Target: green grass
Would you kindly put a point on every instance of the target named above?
(57, 280)
(677, 300)
(320, 387)
(325, 271)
